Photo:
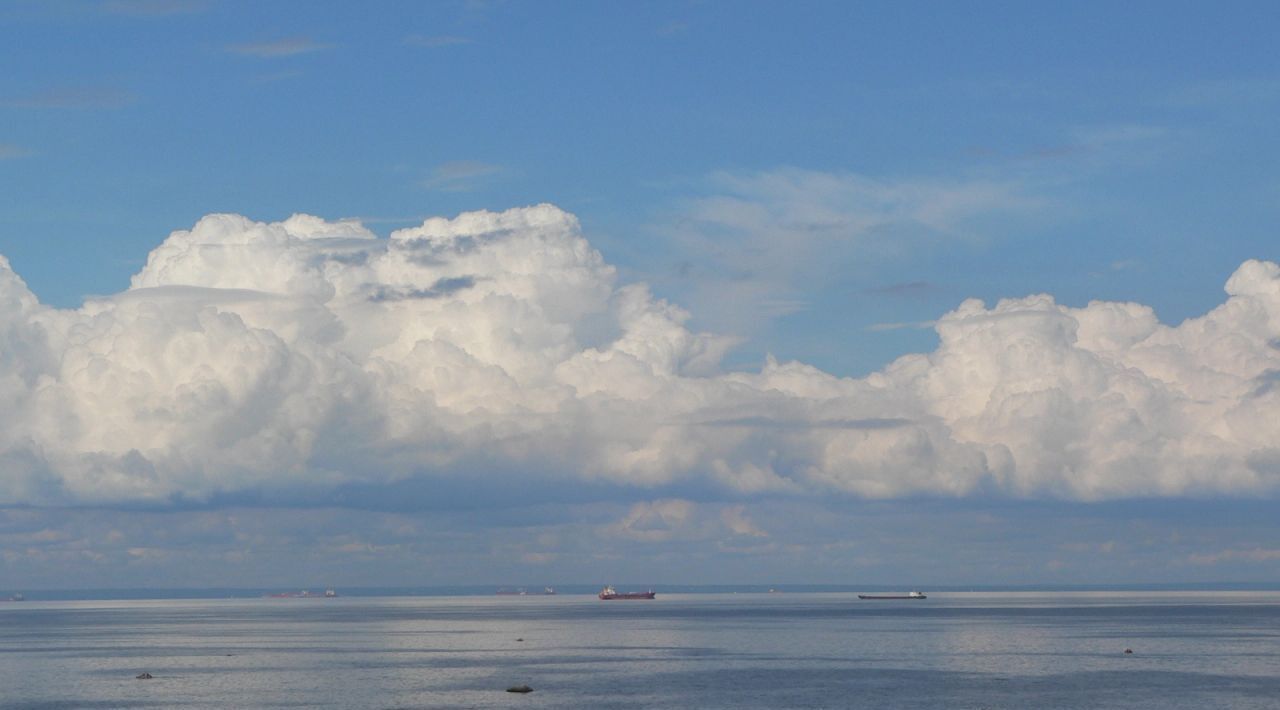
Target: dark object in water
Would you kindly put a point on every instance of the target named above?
(1128, 650)
(519, 639)
(519, 689)
(143, 676)
(610, 593)
(908, 595)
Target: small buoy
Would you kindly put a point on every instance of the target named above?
(1128, 650)
(143, 676)
(519, 689)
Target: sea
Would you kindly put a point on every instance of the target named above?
(979, 650)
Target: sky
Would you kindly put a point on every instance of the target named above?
(693, 292)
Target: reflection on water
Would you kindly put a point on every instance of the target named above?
(730, 651)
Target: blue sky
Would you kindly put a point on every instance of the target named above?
(818, 183)
(1140, 135)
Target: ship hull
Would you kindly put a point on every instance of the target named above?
(891, 596)
(628, 595)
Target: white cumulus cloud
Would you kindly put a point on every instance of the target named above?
(305, 355)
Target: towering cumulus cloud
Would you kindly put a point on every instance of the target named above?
(305, 355)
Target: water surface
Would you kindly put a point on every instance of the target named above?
(953, 650)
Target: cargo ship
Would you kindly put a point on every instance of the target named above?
(908, 595)
(304, 594)
(609, 593)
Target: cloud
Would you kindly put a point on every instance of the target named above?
(759, 240)
(773, 422)
(461, 175)
(1256, 554)
(673, 28)
(910, 289)
(908, 325)
(655, 521)
(8, 151)
(1102, 137)
(765, 541)
(1224, 93)
(440, 289)
(288, 47)
(736, 520)
(274, 77)
(308, 360)
(680, 521)
(74, 98)
(1084, 150)
(846, 205)
(436, 41)
(153, 8)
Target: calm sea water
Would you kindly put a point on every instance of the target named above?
(1015, 650)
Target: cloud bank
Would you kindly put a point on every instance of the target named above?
(306, 355)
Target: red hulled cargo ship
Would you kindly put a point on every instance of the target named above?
(609, 593)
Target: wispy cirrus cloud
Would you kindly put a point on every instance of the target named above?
(86, 97)
(461, 175)
(906, 289)
(153, 8)
(674, 28)
(1082, 150)
(759, 239)
(436, 41)
(274, 77)
(905, 325)
(287, 47)
(1223, 93)
(9, 151)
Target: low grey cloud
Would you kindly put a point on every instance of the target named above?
(758, 541)
(440, 289)
(762, 422)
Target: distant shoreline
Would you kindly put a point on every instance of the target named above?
(126, 594)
